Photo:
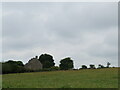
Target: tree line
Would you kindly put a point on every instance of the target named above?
(47, 61)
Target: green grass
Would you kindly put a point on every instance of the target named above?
(97, 78)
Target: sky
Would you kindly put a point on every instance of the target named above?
(86, 32)
(0, 31)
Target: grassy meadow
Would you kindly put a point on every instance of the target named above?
(89, 78)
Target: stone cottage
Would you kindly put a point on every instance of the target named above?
(33, 64)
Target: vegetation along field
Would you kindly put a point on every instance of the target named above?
(86, 78)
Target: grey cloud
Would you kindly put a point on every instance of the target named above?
(93, 16)
(62, 29)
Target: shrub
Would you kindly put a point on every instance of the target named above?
(84, 67)
(54, 68)
(46, 60)
(12, 67)
(92, 66)
(66, 64)
(100, 66)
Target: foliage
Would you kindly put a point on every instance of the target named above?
(46, 60)
(46, 69)
(92, 66)
(54, 68)
(100, 66)
(84, 67)
(12, 67)
(108, 64)
(66, 64)
(19, 63)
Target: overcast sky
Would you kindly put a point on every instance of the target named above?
(86, 32)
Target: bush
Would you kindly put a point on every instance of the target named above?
(46, 69)
(54, 68)
(92, 66)
(12, 67)
(84, 67)
(100, 66)
(46, 60)
(66, 64)
(8, 68)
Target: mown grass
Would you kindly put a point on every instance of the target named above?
(90, 78)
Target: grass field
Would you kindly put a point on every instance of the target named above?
(97, 78)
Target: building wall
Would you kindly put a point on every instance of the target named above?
(33, 64)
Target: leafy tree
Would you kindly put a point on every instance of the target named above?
(54, 68)
(92, 66)
(66, 64)
(108, 64)
(100, 66)
(12, 67)
(84, 67)
(46, 60)
(19, 63)
(9, 68)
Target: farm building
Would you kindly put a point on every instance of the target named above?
(33, 64)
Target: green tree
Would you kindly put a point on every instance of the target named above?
(12, 67)
(108, 64)
(92, 66)
(66, 64)
(9, 68)
(100, 66)
(19, 63)
(84, 67)
(54, 68)
(46, 60)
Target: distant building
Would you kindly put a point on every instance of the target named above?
(33, 64)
